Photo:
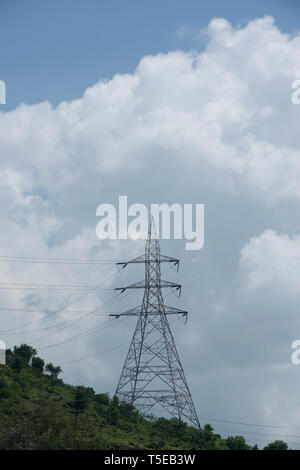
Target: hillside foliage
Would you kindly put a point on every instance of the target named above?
(39, 411)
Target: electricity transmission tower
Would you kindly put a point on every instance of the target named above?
(152, 373)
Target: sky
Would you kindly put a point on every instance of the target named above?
(55, 50)
(183, 102)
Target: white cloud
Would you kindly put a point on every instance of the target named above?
(271, 259)
(221, 109)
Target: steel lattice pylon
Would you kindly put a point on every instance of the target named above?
(152, 373)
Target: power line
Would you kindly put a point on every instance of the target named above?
(58, 289)
(36, 310)
(112, 300)
(64, 307)
(65, 324)
(260, 438)
(249, 424)
(9, 309)
(266, 434)
(107, 350)
(86, 313)
(108, 302)
(97, 354)
(69, 322)
(257, 436)
(88, 332)
(24, 259)
(81, 335)
(32, 284)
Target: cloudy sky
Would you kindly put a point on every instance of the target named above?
(163, 103)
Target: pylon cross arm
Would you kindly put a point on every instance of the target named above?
(151, 285)
(145, 259)
(154, 310)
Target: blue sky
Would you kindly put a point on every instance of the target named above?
(55, 50)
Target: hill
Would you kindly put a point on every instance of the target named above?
(39, 411)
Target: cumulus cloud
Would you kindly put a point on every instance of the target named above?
(271, 259)
(222, 108)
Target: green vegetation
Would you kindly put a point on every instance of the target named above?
(277, 445)
(39, 411)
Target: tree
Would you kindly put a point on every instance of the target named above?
(237, 443)
(25, 353)
(38, 364)
(208, 428)
(53, 371)
(276, 445)
(80, 402)
(9, 357)
(102, 398)
(17, 363)
(113, 412)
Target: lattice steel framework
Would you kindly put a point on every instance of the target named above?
(152, 372)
